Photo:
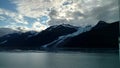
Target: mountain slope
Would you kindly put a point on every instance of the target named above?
(103, 35)
(50, 34)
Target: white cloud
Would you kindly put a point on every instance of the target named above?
(38, 26)
(20, 19)
(13, 17)
(2, 18)
(19, 28)
(33, 8)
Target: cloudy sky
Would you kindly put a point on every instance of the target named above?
(40, 14)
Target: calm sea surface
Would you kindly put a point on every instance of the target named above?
(58, 60)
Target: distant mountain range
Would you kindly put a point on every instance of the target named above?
(102, 35)
(5, 31)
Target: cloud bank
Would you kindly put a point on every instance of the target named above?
(44, 13)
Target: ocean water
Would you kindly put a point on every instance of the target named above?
(58, 60)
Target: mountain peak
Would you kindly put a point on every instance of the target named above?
(101, 23)
(62, 26)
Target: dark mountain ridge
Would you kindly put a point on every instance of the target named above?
(102, 35)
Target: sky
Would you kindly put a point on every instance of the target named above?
(40, 14)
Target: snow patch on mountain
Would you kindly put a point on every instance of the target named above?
(3, 42)
(61, 39)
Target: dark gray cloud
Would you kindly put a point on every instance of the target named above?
(92, 13)
(76, 14)
(53, 13)
(108, 12)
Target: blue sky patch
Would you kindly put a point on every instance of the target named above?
(8, 5)
(43, 19)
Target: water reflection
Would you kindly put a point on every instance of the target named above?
(59, 60)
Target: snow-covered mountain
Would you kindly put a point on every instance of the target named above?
(33, 40)
(63, 38)
(102, 35)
